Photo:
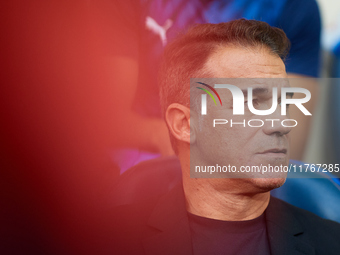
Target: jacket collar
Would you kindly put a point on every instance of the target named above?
(285, 233)
(170, 217)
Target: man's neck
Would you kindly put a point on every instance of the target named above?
(208, 198)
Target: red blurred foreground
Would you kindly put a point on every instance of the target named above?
(58, 120)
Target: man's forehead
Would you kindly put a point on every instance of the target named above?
(239, 62)
(244, 83)
(258, 87)
(265, 83)
(225, 89)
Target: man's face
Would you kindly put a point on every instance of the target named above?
(238, 145)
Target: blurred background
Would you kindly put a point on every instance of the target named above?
(72, 118)
(323, 145)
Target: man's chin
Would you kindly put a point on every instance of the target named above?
(268, 184)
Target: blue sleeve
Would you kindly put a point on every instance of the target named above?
(300, 19)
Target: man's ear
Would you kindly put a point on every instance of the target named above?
(177, 117)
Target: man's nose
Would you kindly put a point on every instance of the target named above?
(278, 124)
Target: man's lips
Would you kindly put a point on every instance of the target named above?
(275, 151)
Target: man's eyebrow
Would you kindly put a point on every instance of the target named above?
(257, 91)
